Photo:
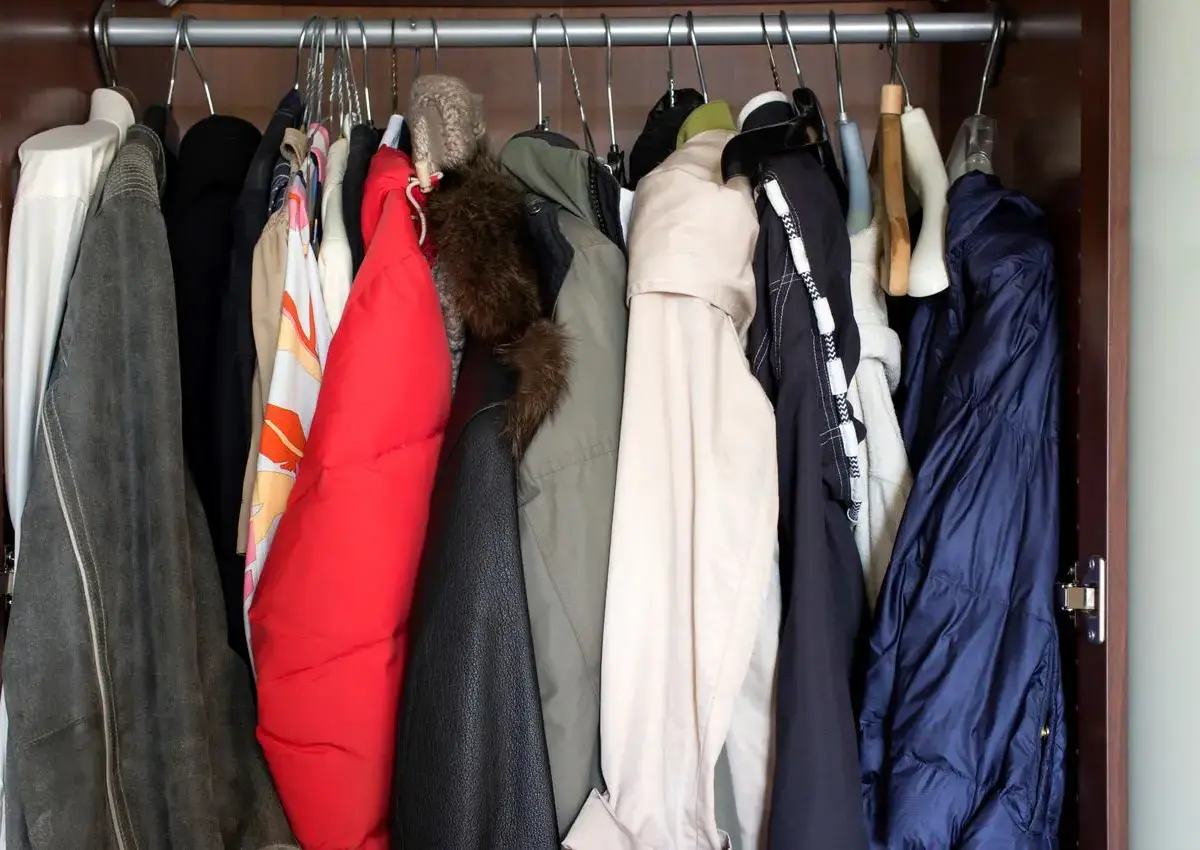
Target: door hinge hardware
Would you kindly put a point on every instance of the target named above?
(1084, 596)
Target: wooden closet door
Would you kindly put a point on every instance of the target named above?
(1062, 103)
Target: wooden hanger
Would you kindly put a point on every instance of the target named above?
(897, 241)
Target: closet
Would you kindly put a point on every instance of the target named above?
(1060, 98)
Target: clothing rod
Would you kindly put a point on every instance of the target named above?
(583, 31)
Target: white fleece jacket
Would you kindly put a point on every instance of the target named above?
(886, 478)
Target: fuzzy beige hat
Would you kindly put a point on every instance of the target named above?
(447, 125)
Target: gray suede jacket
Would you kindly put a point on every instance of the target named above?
(131, 719)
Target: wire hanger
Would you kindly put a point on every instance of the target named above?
(854, 159)
(671, 60)
(108, 62)
(181, 31)
(762, 20)
(543, 120)
(412, 25)
(691, 26)
(366, 78)
(616, 157)
(588, 142)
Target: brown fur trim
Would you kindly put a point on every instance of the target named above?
(476, 216)
(487, 258)
(541, 357)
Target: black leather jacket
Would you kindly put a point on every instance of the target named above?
(471, 764)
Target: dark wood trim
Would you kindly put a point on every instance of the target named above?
(1103, 427)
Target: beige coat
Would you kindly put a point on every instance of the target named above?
(696, 511)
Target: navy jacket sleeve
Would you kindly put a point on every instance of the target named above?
(962, 733)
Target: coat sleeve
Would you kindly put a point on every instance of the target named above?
(329, 618)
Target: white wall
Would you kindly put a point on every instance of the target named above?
(1164, 496)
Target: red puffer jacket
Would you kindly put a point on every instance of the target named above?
(329, 618)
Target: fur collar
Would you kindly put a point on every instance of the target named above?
(485, 250)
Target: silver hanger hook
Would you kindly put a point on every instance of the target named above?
(108, 62)
(762, 20)
(543, 120)
(998, 27)
(608, 79)
(691, 25)
(181, 31)
(308, 23)
(587, 132)
(671, 60)
(395, 74)
(897, 74)
(837, 64)
(412, 25)
(437, 48)
(787, 35)
(366, 85)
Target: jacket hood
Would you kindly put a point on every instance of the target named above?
(390, 171)
(554, 167)
(878, 340)
(487, 257)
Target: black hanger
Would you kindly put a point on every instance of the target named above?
(808, 109)
(805, 130)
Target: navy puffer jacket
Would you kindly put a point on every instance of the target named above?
(962, 733)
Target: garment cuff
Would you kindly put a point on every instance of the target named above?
(597, 828)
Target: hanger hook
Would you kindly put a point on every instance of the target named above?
(395, 75)
(108, 62)
(691, 25)
(787, 34)
(412, 25)
(366, 85)
(762, 20)
(671, 61)
(837, 64)
(182, 31)
(897, 75)
(999, 25)
(304, 30)
(608, 79)
(437, 48)
(587, 133)
(543, 120)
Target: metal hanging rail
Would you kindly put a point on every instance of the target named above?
(937, 28)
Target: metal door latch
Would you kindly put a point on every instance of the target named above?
(1086, 595)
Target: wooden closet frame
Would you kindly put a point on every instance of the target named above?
(1082, 181)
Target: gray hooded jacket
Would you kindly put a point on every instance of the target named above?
(567, 476)
(132, 722)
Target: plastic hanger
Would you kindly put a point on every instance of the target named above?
(743, 155)
(897, 246)
(925, 174)
(615, 161)
(808, 109)
(589, 143)
(854, 159)
(975, 143)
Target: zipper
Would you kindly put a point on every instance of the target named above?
(101, 679)
(594, 196)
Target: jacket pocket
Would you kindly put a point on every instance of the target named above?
(1029, 773)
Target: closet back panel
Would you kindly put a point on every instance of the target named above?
(249, 83)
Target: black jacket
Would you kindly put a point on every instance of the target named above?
(816, 801)
(233, 366)
(472, 771)
(364, 141)
(199, 211)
